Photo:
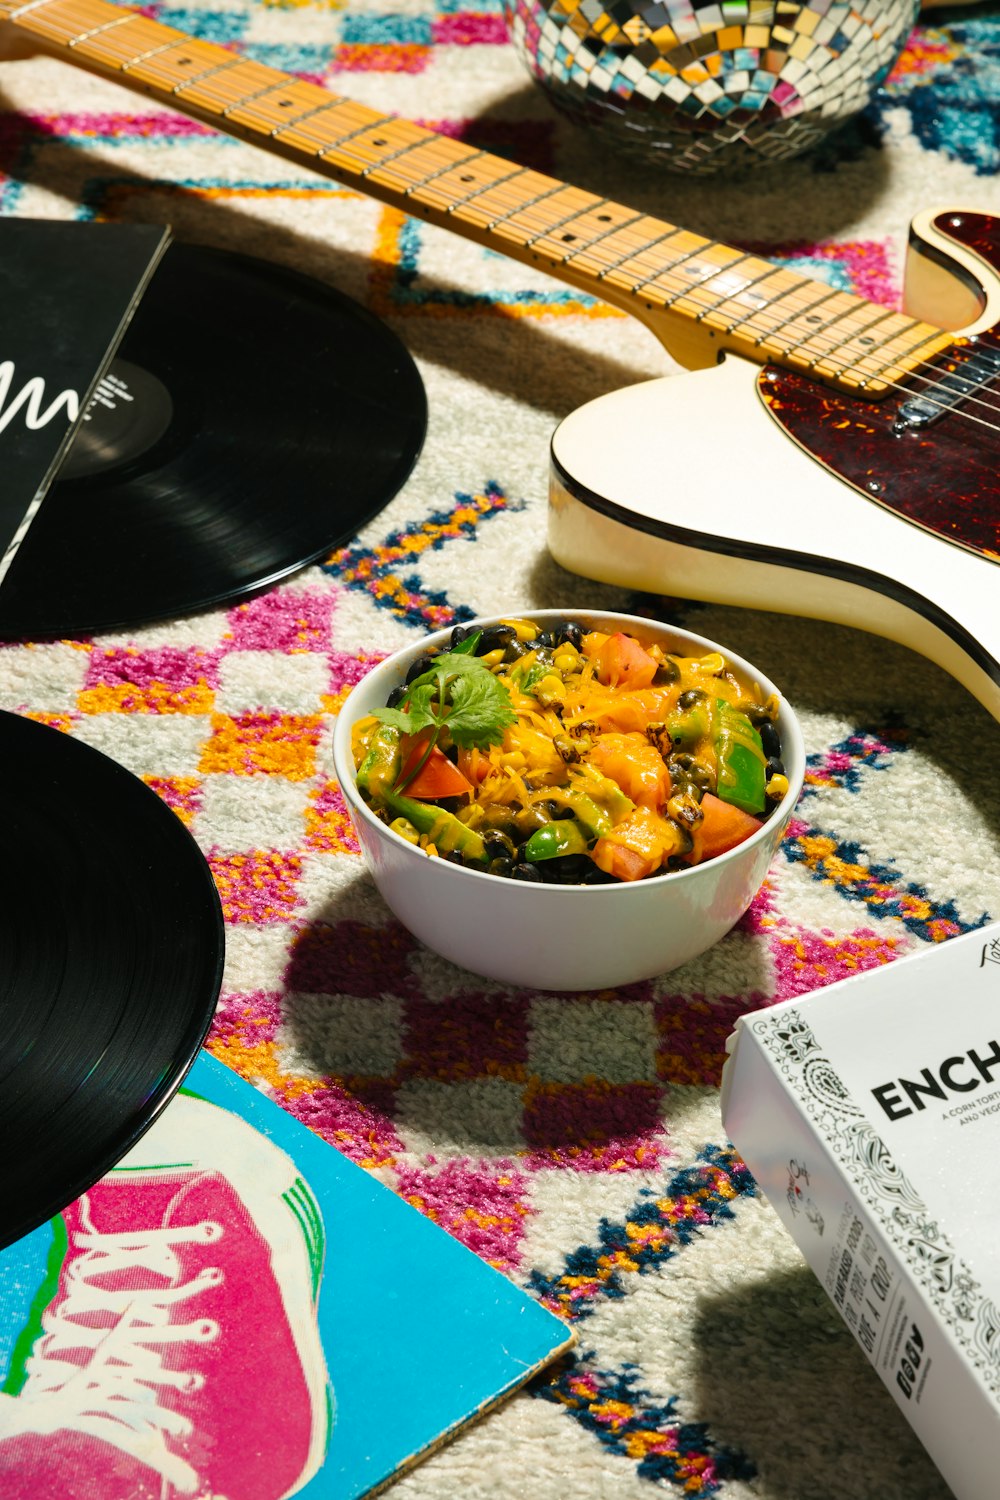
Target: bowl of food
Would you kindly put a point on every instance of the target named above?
(567, 799)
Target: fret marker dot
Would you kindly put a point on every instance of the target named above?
(568, 238)
(866, 340)
(813, 318)
(469, 178)
(379, 143)
(604, 218)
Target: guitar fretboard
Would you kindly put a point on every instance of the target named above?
(683, 286)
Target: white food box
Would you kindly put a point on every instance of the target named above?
(869, 1113)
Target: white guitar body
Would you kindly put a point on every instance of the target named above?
(688, 486)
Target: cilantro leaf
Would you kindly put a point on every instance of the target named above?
(458, 693)
(480, 710)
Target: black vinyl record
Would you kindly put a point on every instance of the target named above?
(112, 951)
(253, 421)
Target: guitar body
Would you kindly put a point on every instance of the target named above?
(764, 488)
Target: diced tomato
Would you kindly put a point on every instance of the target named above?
(438, 777)
(637, 846)
(722, 827)
(634, 765)
(621, 861)
(622, 662)
(474, 764)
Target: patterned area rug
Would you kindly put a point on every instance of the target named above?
(574, 1141)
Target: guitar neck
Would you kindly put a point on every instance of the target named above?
(699, 297)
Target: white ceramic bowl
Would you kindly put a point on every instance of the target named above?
(558, 937)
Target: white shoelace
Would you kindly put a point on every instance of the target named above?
(115, 1394)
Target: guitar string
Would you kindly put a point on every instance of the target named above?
(789, 299)
(688, 291)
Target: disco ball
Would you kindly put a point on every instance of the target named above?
(698, 87)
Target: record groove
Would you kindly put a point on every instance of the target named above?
(254, 420)
(113, 946)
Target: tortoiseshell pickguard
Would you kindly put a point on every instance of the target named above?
(946, 477)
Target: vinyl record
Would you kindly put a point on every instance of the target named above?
(254, 420)
(112, 941)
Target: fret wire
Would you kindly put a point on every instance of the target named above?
(749, 318)
(448, 167)
(770, 333)
(219, 100)
(307, 114)
(479, 191)
(187, 83)
(816, 332)
(929, 338)
(429, 139)
(150, 52)
(553, 228)
(634, 254)
(604, 234)
(120, 48)
(871, 354)
(835, 342)
(393, 155)
(886, 313)
(428, 142)
(692, 286)
(22, 10)
(827, 296)
(523, 208)
(360, 130)
(858, 333)
(96, 30)
(765, 276)
(519, 205)
(249, 98)
(722, 271)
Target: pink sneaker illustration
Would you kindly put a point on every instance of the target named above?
(178, 1353)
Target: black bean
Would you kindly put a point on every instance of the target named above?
(420, 666)
(514, 650)
(770, 739)
(453, 857)
(498, 845)
(531, 817)
(396, 696)
(495, 638)
(775, 766)
(572, 634)
(459, 633)
(545, 638)
(566, 869)
(667, 671)
(526, 872)
(501, 867)
(690, 698)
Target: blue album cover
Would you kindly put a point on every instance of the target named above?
(229, 1311)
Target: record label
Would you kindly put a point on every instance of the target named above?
(254, 421)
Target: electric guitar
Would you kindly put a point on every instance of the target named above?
(822, 456)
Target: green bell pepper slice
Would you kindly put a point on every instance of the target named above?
(742, 763)
(564, 836)
(442, 828)
(382, 764)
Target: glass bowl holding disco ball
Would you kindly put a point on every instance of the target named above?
(697, 87)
